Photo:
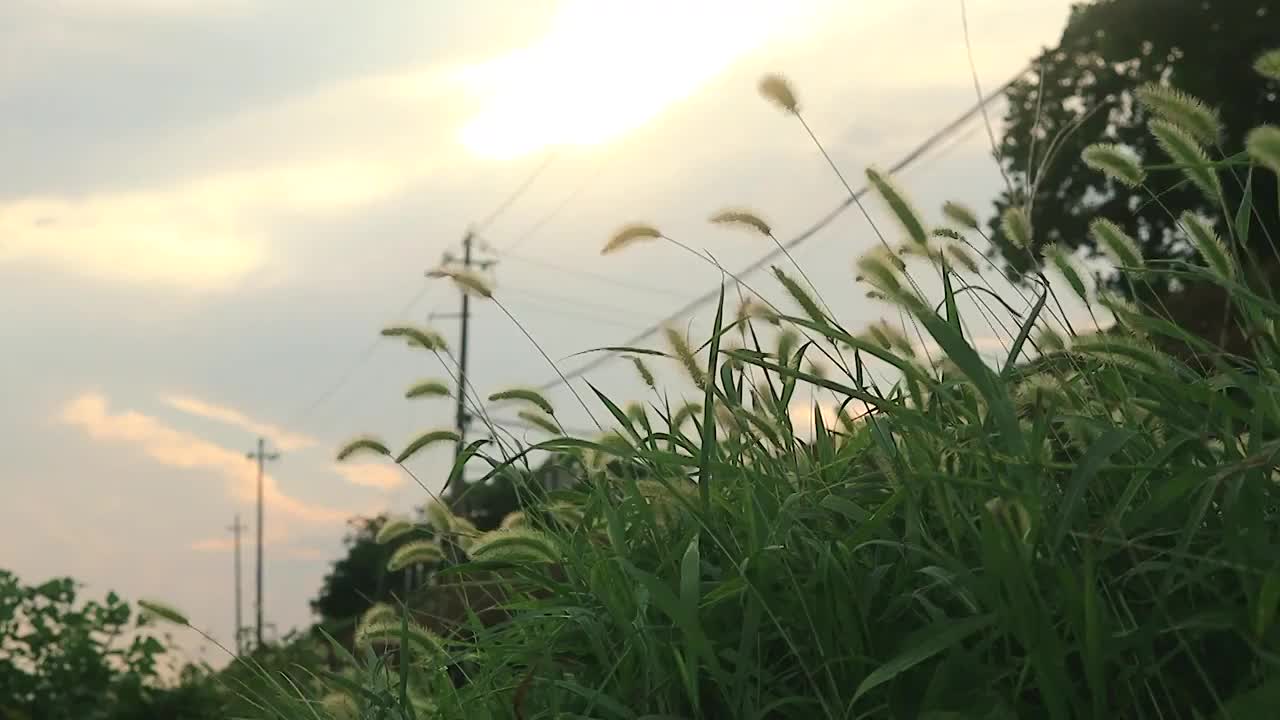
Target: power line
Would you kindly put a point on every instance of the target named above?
(594, 275)
(522, 425)
(365, 354)
(557, 309)
(573, 194)
(814, 229)
(576, 302)
(355, 363)
(517, 193)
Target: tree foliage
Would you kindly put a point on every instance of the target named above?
(64, 658)
(360, 578)
(1083, 92)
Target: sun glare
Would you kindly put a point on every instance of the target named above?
(605, 67)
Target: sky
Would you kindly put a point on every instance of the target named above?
(209, 208)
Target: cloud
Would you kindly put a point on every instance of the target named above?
(274, 540)
(281, 438)
(203, 234)
(593, 76)
(382, 477)
(179, 449)
(146, 8)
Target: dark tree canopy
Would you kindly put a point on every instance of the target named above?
(361, 578)
(1082, 92)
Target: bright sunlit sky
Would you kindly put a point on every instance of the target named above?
(208, 209)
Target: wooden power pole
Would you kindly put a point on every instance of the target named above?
(262, 456)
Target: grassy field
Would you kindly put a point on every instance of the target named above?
(1086, 529)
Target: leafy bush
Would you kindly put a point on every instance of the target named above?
(60, 658)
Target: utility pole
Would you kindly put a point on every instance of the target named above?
(235, 529)
(462, 418)
(262, 456)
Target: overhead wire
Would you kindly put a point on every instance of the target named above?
(542, 222)
(518, 192)
(919, 151)
(558, 309)
(345, 376)
(359, 360)
(616, 282)
(577, 302)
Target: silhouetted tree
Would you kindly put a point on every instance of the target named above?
(361, 577)
(1082, 92)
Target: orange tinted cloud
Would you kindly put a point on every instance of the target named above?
(283, 439)
(381, 477)
(175, 448)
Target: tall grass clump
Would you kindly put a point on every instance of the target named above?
(1087, 527)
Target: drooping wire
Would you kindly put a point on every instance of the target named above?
(518, 192)
(710, 296)
(356, 363)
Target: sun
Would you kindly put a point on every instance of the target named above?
(606, 67)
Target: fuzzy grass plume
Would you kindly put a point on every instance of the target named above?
(960, 255)
(467, 281)
(890, 338)
(363, 445)
(1060, 260)
(1041, 390)
(1209, 245)
(340, 706)
(439, 516)
(541, 421)
(1263, 144)
(960, 214)
(752, 309)
(393, 529)
(902, 210)
(684, 414)
(417, 337)
(517, 545)
(418, 552)
(1116, 243)
(742, 218)
(801, 296)
(1017, 227)
(643, 371)
(427, 388)
(1049, 340)
(379, 612)
(630, 235)
(393, 632)
(532, 397)
(1116, 162)
(776, 89)
(1268, 65)
(882, 269)
(684, 354)
(787, 342)
(425, 440)
(1184, 150)
(1182, 110)
(163, 611)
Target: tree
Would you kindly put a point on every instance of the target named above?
(361, 577)
(63, 658)
(1082, 92)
